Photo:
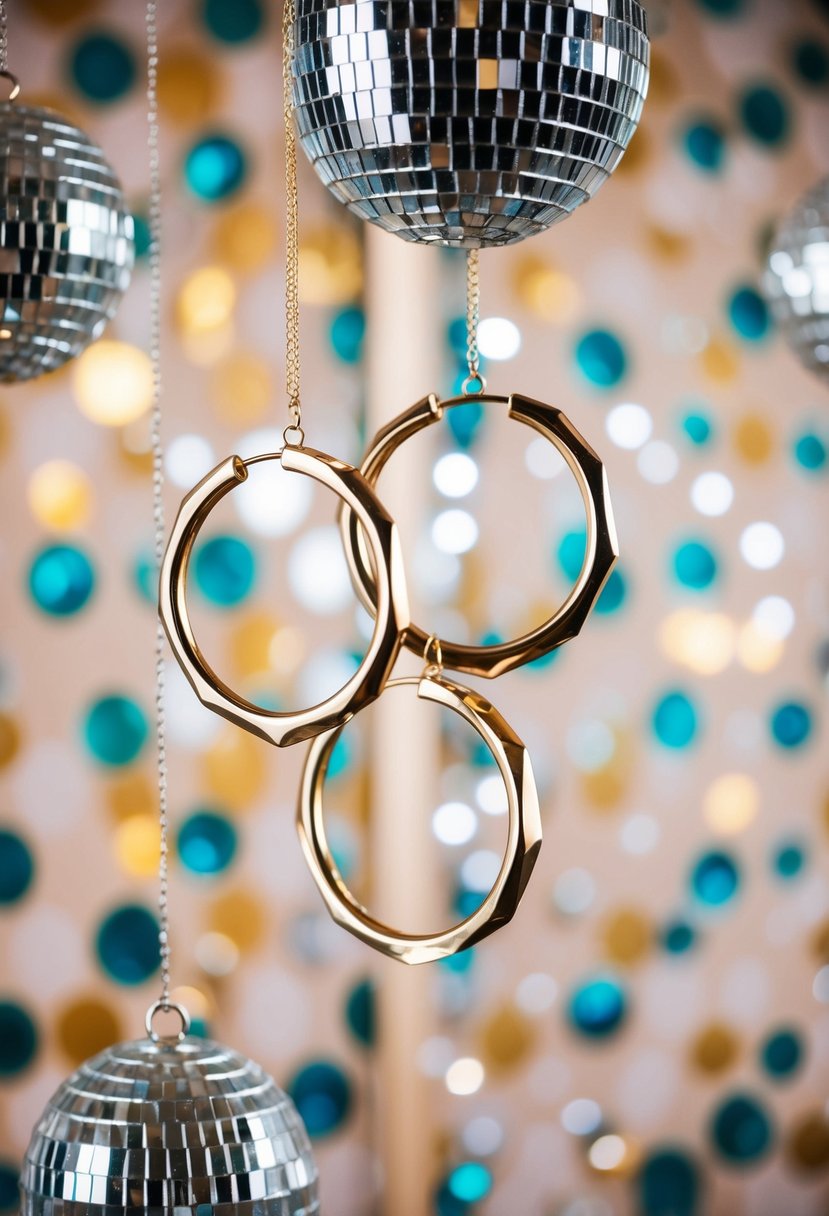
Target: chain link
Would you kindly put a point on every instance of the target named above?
(292, 360)
(158, 490)
(474, 383)
(4, 38)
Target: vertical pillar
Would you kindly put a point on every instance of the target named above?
(404, 361)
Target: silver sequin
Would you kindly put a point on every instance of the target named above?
(159, 1129)
(797, 279)
(66, 241)
(468, 122)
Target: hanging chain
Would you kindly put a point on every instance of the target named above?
(292, 362)
(158, 489)
(474, 382)
(4, 38)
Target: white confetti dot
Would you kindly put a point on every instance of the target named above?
(498, 338)
(454, 531)
(712, 494)
(629, 426)
(455, 475)
(762, 546)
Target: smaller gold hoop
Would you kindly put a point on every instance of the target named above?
(167, 1007)
(601, 549)
(14, 93)
(392, 614)
(523, 833)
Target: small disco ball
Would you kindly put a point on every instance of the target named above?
(468, 122)
(797, 279)
(67, 245)
(168, 1129)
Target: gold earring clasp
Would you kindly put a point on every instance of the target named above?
(392, 613)
(523, 833)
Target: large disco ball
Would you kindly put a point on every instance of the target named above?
(169, 1129)
(797, 279)
(67, 249)
(468, 122)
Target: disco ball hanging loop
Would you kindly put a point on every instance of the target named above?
(168, 1128)
(67, 247)
(797, 278)
(469, 123)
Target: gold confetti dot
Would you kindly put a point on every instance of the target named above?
(701, 641)
(636, 156)
(60, 495)
(720, 361)
(754, 439)
(545, 291)
(9, 739)
(820, 941)
(807, 1145)
(627, 936)
(667, 246)
(85, 1027)
(205, 302)
(240, 916)
(714, 1049)
(242, 389)
(663, 86)
(245, 237)
(330, 266)
(190, 85)
(137, 845)
(112, 382)
(135, 446)
(507, 1040)
(131, 794)
(250, 645)
(235, 769)
(731, 803)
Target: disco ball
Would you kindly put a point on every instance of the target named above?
(467, 122)
(169, 1129)
(797, 279)
(67, 248)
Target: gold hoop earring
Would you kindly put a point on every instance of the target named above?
(601, 549)
(523, 832)
(380, 533)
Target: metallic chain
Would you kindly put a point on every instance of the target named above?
(292, 362)
(158, 488)
(473, 307)
(4, 38)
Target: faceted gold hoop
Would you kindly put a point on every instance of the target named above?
(523, 833)
(600, 553)
(392, 610)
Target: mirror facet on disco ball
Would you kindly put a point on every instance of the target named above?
(67, 247)
(797, 279)
(169, 1129)
(482, 124)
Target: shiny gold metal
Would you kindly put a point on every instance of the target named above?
(392, 618)
(601, 548)
(523, 833)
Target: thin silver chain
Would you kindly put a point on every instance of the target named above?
(473, 307)
(4, 38)
(158, 489)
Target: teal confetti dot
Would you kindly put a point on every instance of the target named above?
(698, 428)
(470, 1182)
(694, 565)
(782, 1054)
(361, 1013)
(459, 963)
(704, 143)
(601, 358)
(17, 867)
(142, 234)
(810, 61)
(127, 944)
(614, 593)
(810, 452)
(341, 758)
(598, 1007)
(446, 1204)
(465, 423)
(715, 879)
(570, 556)
(456, 336)
(669, 1183)
(145, 576)
(207, 842)
(18, 1039)
(791, 725)
(675, 720)
(347, 334)
(215, 167)
(61, 580)
(233, 21)
(749, 314)
(322, 1094)
(544, 660)
(788, 860)
(741, 1129)
(765, 115)
(102, 67)
(467, 901)
(225, 570)
(9, 1183)
(722, 8)
(115, 730)
(679, 937)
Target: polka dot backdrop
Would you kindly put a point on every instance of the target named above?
(651, 1034)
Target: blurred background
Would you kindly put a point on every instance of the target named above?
(651, 1033)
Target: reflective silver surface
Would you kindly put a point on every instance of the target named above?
(169, 1129)
(66, 241)
(797, 279)
(468, 122)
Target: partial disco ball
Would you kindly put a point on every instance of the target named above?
(468, 122)
(67, 245)
(169, 1129)
(797, 279)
